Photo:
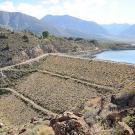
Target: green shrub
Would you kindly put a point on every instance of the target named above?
(45, 34)
(25, 38)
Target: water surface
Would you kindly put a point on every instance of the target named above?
(127, 56)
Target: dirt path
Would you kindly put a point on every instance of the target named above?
(25, 62)
(58, 54)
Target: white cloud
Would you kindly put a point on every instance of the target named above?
(7, 6)
(101, 11)
(50, 1)
(32, 10)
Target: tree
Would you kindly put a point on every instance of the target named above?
(45, 34)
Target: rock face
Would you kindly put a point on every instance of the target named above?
(22, 56)
(70, 124)
(132, 102)
(34, 52)
(4, 51)
(92, 110)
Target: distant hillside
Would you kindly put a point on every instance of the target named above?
(129, 33)
(65, 26)
(115, 28)
(56, 25)
(18, 21)
(71, 26)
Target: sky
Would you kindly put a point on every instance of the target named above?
(100, 11)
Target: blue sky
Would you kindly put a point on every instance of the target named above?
(101, 11)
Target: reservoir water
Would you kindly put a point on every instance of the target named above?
(127, 56)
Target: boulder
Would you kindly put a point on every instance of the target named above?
(22, 130)
(123, 100)
(113, 118)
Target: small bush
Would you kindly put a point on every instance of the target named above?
(25, 38)
(45, 34)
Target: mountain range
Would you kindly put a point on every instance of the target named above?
(74, 26)
(116, 29)
(65, 26)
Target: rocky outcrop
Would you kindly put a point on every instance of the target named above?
(73, 123)
(21, 57)
(92, 110)
(70, 124)
(5, 56)
(124, 100)
(34, 52)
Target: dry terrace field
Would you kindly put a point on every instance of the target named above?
(99, 72)
(59, 94)
(55, 94)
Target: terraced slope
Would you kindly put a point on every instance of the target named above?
(70, 81)
(54, 93)
(94, 71)
(58, 83)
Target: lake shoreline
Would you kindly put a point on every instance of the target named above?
(92, 53)
(122, 56)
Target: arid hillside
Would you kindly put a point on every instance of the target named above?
(48, 88)
(16, 47)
